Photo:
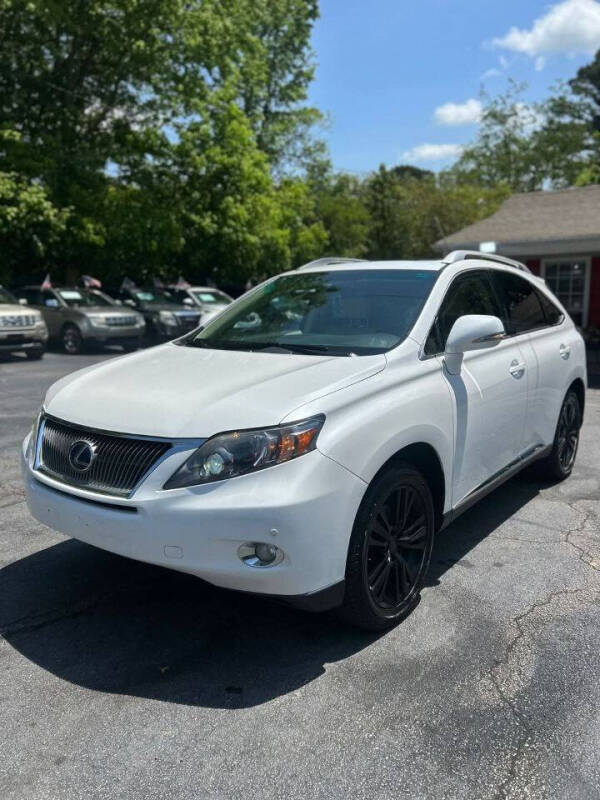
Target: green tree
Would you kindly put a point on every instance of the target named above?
(408, 214)
(527, 146)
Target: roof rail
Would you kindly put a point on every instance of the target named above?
(465, 255)
(322, 262)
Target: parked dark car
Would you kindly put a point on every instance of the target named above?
(76, 317)
(165, 318)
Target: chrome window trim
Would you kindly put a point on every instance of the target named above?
(424, 357)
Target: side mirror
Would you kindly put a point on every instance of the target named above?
(187, 301)
(130, 303)
(471, 332)
(51, 303)
(23, 301)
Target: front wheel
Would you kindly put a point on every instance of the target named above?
(390, 549)
(559, 464)
(72, 340)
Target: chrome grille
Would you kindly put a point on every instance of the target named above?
(118, 465)
(120, 321)
(17, 320)
(188, 319)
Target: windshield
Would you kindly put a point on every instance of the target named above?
(76, 298)
(209, 296)
(6, 297)
(359, 312)
(153, 297)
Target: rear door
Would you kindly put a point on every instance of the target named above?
(533, 316)
(490, 393)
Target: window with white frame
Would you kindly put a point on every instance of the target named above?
(568, 278)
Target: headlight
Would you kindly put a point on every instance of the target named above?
(98, 321)
(228, 455)
(32, 444)
(167, 317)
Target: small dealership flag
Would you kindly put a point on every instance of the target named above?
(157, 283)
(127, 285)
(182, 283)
(46, 283)
(91, 283)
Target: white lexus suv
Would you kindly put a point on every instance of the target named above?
(310, 441)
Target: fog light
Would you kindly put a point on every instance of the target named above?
(260, 554)
(266, 552)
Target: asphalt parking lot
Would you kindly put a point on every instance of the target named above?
(121, 680)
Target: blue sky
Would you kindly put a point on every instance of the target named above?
(385, 66)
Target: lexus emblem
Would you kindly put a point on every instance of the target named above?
(82, 455)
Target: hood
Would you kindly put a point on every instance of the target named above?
(180, 392)
(14, 308)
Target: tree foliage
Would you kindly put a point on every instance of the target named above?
(160, 137)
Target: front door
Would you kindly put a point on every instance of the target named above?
(490, 393)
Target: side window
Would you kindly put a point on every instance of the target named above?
(521, 303)
(469, 294)
(31, 295)
(48, 299)
(552, 313)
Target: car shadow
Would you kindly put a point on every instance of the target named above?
(115, 625)
(454, 543)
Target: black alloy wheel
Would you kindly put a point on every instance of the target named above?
(559, 464)
(72, 341)
(568, 432)
(390, 549)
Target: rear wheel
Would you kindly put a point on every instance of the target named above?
(559, 464)
(72, 340)
(390, 549)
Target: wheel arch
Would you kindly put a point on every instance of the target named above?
(579, 388)
(424, 457)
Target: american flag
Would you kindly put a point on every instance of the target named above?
(46, 283)
(91, 283)
(182, 283)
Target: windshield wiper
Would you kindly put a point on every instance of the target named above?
(309, 349)
(276, 347)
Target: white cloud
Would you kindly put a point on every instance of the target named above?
(494, 72)
(458, 113)
(572, 26)
(433, 152)
(540, 63)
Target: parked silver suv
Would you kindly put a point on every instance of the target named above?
(20, 329)
(76, 317)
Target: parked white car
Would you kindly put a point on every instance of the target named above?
(21, 329)
(209, 300)
(314, 454)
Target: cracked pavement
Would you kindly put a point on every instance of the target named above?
(122, 680)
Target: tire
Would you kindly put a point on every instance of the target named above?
(34, 355)
(396, 502)
(71, 340)
(558, 465)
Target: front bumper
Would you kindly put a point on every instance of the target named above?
(306, 507)
(34, 338)
(106, 334)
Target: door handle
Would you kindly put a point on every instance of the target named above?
(565, 351)
(517, 368)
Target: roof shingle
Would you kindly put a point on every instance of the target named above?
(535, 216)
